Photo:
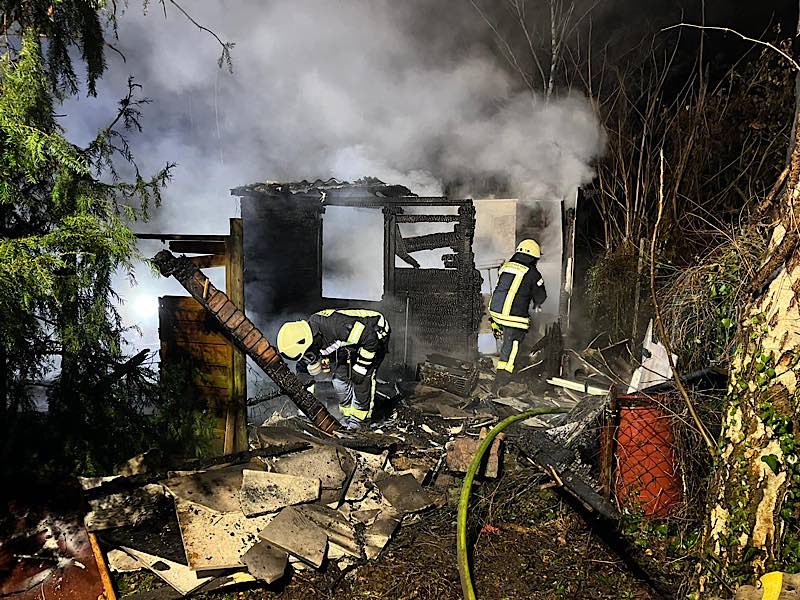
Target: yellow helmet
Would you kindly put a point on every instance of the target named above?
(294, 338)
(530, 247)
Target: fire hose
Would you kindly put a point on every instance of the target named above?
(466, 488)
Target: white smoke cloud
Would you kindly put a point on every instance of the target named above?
(405, 91)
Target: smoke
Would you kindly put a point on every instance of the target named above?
(409, 92)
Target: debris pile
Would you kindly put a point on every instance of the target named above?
(295, 500)
(304, 499)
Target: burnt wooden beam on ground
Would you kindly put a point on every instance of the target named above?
(245, 335)
(129, 482)
(555, 459)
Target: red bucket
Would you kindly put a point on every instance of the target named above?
(646, 475)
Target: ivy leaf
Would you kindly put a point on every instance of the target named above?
(772, 462)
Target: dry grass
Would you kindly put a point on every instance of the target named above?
(701, 304)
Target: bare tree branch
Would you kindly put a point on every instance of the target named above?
(794, 63)
(225, 57)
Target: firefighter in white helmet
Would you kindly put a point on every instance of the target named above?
(345, 345)
(519, 286)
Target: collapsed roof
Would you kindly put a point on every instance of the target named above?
(360, 188)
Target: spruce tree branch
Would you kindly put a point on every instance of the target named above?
(794, 63)
(660, 322)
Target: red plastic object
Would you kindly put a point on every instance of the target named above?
(646, 476)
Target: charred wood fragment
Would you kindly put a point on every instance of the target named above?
(431, 241)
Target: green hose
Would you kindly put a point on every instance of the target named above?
(466, 488)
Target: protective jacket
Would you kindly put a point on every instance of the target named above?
(519, 283)
(365, 331)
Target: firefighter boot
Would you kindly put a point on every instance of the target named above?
(500, 379)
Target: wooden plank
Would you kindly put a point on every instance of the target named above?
(578, 386)
(229, 439)
(181, 236)
(208, 260)
(234, 285)
(198, 247)
(105, 578)
(213, 376)
(181, 308)
(200, 354)
(191, 331)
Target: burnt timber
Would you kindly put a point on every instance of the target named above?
(428, 308)
(244, 334)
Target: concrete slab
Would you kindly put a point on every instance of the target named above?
(337, 527)
(215, 540)
(378, 534)
(217, 489)
(122, 562)
(183, 579)
(264, 492)
(333, 465)
(265, 562)
(296, 534)
(404, 493)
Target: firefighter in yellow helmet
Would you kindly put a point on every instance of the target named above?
(344, 345)
(519, 286)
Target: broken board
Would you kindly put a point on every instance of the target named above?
(216, 540)
(337, 527)
(217, 489)
(264, 492)
(183, 579)
(334, 466)
(296, 534)
(265, 562)
(404, 493)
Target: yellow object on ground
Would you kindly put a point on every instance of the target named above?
(771, 585)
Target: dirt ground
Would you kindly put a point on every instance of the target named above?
(528, 543)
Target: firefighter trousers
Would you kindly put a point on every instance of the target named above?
(512, 339)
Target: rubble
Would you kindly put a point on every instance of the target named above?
(265, 562)
(404, 493)
(334, 467)
(461, 450)
(326, 499)
(217, 489)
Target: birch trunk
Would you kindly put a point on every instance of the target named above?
(752, 524)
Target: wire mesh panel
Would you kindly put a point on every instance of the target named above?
(646, 476)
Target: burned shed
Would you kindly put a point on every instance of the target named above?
(430, 306)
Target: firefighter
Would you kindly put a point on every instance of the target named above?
(519, 285)
(344, 345)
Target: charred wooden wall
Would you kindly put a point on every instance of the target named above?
(283, 271)
(282, 254)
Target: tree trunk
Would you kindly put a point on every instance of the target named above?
(754, 508)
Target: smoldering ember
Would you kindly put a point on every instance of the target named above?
(430, 299)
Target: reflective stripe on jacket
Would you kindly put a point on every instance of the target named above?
(519, 283)
(363, 329)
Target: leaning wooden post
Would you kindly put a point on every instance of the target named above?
(244, 334)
